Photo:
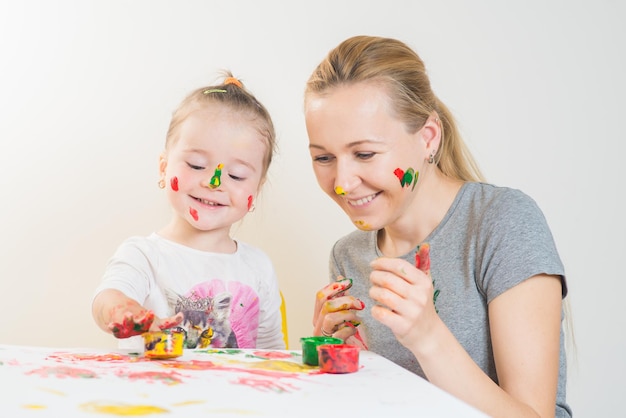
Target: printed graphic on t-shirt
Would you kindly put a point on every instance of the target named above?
(218, 315)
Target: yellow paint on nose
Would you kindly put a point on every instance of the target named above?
(339, 190)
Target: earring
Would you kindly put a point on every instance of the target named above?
(161, 184)
(431, 158)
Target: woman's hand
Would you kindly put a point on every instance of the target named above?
(405, 296)
(335, 312)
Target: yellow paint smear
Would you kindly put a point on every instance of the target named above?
(123, 410)
(34, 406)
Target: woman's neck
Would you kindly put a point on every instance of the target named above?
(425, 213)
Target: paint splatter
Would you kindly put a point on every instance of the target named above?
(64, 371)
(362, 225)
(130, 326)
(174, 183)
(32, 406)
(193, 213)
(271, 354)
(422, 262)
(407, 177)
(249, 202)
(340, 191)
(265, 385)
(122, 409)
(216, 180)
(168, 378)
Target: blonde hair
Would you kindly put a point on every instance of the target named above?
(402, 72)
(232, 93)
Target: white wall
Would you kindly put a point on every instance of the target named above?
(86, 91)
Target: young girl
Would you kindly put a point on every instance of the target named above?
(460, 280)
(191, 274)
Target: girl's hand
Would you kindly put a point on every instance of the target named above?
(405, 296)
(335, 311)
(144, 321)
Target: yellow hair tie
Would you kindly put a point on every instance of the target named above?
(233, 80)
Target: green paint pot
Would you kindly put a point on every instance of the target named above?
(309, 348)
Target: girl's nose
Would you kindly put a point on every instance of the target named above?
(216, 179)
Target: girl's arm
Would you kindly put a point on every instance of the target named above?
(117, 314)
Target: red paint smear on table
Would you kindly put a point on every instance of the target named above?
(193, 213)
(272, 354)
(174, 183)
(109, 357)
(169, 378)
(266, 385)
(63, 371)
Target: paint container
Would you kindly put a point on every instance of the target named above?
(163, 344)
(338, 358)
(309, 348)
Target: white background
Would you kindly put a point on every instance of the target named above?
(87, 89)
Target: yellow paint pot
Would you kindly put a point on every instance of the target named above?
(163, 344)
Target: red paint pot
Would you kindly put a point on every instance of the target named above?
(338, 358)
(309, 348)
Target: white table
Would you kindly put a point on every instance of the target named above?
(60, 382)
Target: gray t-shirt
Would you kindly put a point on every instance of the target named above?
(491, 239)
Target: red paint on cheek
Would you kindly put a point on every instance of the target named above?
(249, 202)
(193, 213)
(174, 183)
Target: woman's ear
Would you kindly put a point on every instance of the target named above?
(431, 134)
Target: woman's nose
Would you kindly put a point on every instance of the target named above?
(346, 180)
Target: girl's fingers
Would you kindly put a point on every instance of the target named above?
(172, 321)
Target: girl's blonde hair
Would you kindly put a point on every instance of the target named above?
(232, 93)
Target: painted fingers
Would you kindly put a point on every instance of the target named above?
(132, 324)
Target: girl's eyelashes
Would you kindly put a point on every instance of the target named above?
(195, 167)
(236, 178)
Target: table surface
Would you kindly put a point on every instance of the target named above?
(74, 382)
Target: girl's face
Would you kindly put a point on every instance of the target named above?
(363, 156)
(214, 169)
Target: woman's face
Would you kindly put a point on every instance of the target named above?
(362, 155)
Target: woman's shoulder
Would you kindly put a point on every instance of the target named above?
(489, 196)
